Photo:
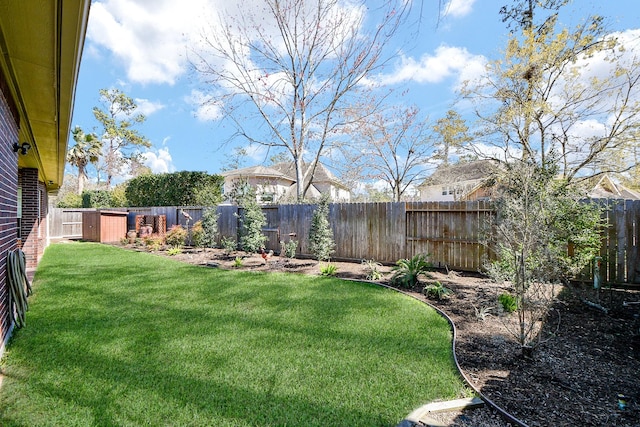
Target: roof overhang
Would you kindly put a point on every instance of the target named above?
(41, 46)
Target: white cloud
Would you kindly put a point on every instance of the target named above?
(458, 8)
(447, 62)
(147, 107)
(159, 161)
(205, 107)
(149, 37)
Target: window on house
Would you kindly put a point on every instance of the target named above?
(267, 197)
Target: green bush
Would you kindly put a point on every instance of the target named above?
(371, 268)
(328, 270)
(70, 200)
(436, 291)
(407, 271)
(209, 223)
(228, 245)
(289, 248)
(96, 199)
(176, 236)
(174, 251)
(251, 222)
(175, 189)
(197, 234)
(321, 242)
(509, 302)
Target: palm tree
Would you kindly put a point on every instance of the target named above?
(87, 150)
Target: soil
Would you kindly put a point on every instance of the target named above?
(585, 373)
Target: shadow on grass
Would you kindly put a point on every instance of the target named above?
(99, 345)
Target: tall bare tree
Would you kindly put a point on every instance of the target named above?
(120, 140)
(573, 93)
(392, 145)
(294, 65)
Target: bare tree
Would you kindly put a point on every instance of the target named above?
(290, 67)
(570, 93)
(392, 145)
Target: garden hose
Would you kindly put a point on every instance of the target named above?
(19, 287)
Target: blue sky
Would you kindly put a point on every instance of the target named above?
(140, 47)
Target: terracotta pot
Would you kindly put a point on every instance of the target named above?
(146, 230)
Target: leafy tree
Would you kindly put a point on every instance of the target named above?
(321, 242)
(96, 199)
(295, 65)
(543, 234)
(209, 224)
(69, 200)
(120, 140)
(175, 189)
(251, 220)
(391, 145)
(453, 133)
(86, 151)
(550, 86)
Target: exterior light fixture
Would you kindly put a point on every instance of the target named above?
(22, 148)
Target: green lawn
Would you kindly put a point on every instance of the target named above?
(118, 338)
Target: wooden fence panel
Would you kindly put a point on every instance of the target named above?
(227, 222)
(451, 232)
(632, 231)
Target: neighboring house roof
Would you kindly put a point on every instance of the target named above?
(606, 188)
(41, 44)
(468, 171)
(258, 172)
(321, 174)
(286, 171)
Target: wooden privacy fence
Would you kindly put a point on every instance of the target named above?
(450, 232)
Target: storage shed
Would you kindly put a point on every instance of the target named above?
(104, 226)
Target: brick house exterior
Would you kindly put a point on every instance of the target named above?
(40, 51)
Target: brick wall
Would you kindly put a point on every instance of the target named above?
(34, 214)
(8, 199)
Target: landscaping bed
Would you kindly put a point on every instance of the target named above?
(585, 373)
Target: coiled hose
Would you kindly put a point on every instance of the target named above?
(19, 287)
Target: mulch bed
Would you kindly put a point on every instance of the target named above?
(586, 374)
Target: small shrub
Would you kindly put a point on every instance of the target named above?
(209, 224)
(174, 251)
(197, 234)
(153, 242)
(436, 291)
(289, 248)
(482, 313)
(237, 262)
(251, 222)
(328, 270)
(321, 243)
(371, 268)
(228, 245)
(406, 271)
(176, 236)
(509, 302)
